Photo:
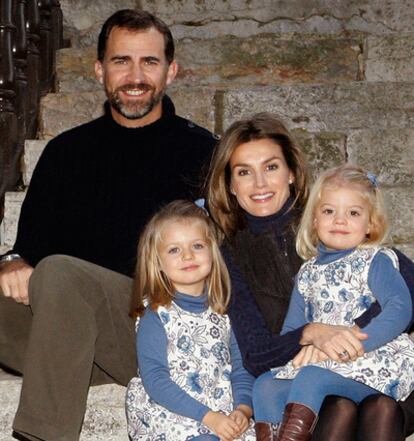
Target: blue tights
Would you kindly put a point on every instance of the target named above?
(206, 438)
(310, 387)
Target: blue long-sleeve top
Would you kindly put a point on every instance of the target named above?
(387, 286)
(154, 369)
(262, 349)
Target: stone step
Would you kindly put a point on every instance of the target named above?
(315, 107)
(62, 111)
(328, 107)
(33, 148)
(104, 418)
(229, 61)
(12, 205)
(244, 18)
(266, 59)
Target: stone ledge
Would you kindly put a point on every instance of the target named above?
(329, 107)
(104, 418)
(62, 111)
(204, 19)
(231, 62)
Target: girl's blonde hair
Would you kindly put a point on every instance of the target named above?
(151, 285)
(346, 175)
(222, 204)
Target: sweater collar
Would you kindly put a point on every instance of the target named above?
(274, 222)
(327, 255)
(168, 114)
(191, 303)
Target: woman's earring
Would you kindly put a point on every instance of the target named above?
(232, 192)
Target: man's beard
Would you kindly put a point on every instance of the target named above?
(138, 109)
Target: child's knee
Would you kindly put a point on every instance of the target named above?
(263, 384)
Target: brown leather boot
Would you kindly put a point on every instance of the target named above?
(298, 423)
(266, 431)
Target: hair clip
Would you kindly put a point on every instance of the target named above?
(373, 179)
(201, 203)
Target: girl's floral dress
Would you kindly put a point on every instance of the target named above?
(336, 293)
(199, 361)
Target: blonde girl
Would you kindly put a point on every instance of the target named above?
(342, 233)
(191, 382)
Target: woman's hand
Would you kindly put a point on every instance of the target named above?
(339, 343)
(223, 426)
(309, 354)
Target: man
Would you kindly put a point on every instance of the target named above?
(92, 191)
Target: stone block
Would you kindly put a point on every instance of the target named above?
(408, 250)
(104, 418)
(267, 59)
(389, 58)
(12, 205)
(75, 70)
(328, 107)
(387, 153)
(9, 399)
(196, 104)
(399, 204)
(4, 249)
(82, 19)
(62, 111)
(323, 150)
(32, 151)
(204, 19)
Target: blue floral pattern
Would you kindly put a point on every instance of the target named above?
(199, 361)
(336, 294)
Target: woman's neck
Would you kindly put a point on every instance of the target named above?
(275, 222)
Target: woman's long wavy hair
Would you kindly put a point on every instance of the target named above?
(151, 285)
(223, 206)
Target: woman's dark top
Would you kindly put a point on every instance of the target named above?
(262, 263)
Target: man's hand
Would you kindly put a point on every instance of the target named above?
(14, 280)
(241, 417)
(309, 354)
(339, 343)
(223, 426)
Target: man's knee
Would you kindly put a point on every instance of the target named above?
(58, 276)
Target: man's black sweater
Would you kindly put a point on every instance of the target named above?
(96, 186)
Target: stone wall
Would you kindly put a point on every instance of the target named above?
(339, 73)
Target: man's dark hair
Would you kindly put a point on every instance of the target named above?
(135, 20)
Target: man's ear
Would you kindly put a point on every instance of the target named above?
(99, 71)
(172, 72)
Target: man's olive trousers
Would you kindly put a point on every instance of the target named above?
(75, 333)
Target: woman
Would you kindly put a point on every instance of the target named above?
(256, 191)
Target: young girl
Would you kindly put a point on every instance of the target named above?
(341, 233)
(191, 383)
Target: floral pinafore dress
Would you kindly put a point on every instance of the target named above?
(337, 293)
(199, 361)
